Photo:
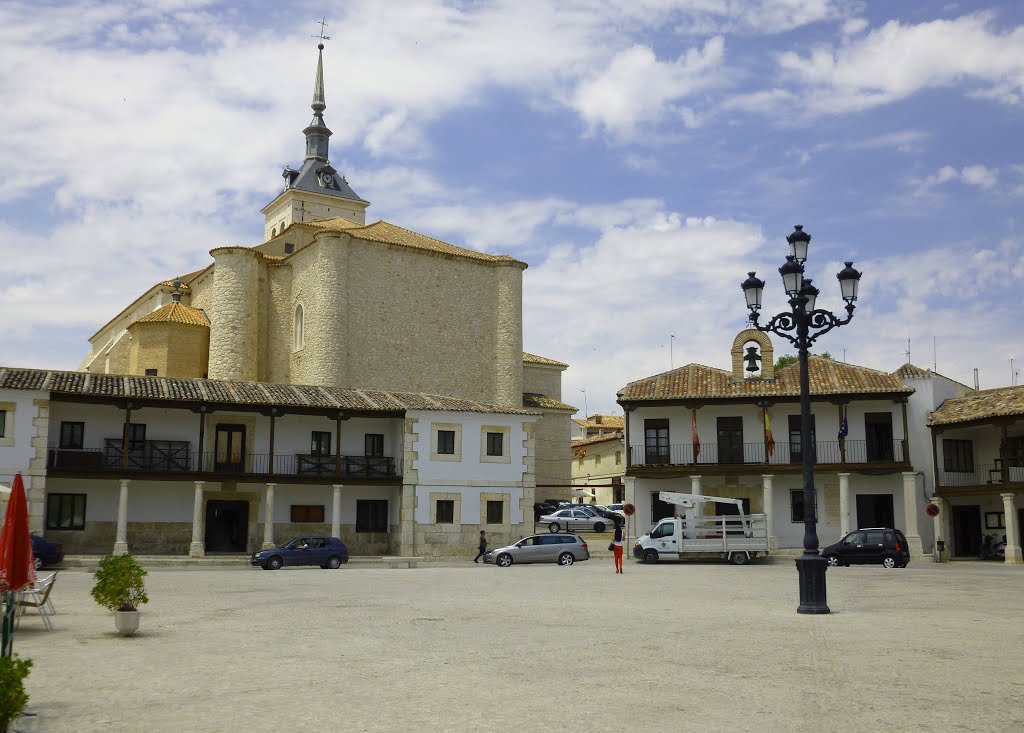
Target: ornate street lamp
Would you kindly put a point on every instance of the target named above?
(808, 323)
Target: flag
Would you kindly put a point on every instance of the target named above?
(844, 427)
(769, 439)
(696, 439)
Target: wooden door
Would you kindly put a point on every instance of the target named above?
(230, 449)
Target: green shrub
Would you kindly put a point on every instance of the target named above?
(13, 697)
(119, 585)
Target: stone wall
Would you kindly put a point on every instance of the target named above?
(234, 334)
(177, 350)
(553, 454)
(543, 379)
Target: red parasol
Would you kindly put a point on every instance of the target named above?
(16, 566)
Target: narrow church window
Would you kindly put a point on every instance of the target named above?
(273, 232)
(289, 248)
(298, 335)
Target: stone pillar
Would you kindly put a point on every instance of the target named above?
(768, 502)
(695, 485)
(121, 540)
(198, 547)
(1013, 551)
(407, 520)
(844, 504)
(336, 512)
(268, 518)
(910, 511)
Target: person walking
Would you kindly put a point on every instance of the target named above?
(617, 545)
(483, 547)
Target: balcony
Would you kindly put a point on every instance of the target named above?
(755, 454)
(177, 460)
(989, 475)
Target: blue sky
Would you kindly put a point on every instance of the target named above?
(640, 155)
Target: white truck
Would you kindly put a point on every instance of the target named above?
(736, 537)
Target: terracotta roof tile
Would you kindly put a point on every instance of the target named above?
(596, 439)
(984, 405)
(247, 393)
(176, 313)
(911, 371)
(534, 359)
(827, 377)
(608, 422)
(542, 401)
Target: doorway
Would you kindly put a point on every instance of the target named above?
(966, 531)
(227, 526)
(875, 510)
(230, 449)
(878, 434)
(730, 439)
(660, 509)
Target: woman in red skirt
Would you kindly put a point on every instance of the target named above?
(617, 548)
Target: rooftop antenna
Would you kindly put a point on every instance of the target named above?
(935, 354)
(323, 25)
(671, 356)
(844, 354)
(976, 387)
(907, 352)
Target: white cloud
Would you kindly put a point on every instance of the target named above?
(637, 88)
(898, 60)
(972, 175)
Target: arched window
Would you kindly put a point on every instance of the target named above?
(273, 232)
(299, 339)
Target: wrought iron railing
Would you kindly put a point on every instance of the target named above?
(825, 451)
(162, 457)
(982, 475)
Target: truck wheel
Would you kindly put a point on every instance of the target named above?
(651, 556)
(739, 558)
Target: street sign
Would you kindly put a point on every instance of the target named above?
(932, 510)
(628, 509)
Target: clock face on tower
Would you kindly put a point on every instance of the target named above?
(326, 179)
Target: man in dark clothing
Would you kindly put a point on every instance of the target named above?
(483, 547)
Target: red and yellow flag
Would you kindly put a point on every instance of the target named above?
(696, 438)
(769, 439)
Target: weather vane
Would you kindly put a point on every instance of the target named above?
(323, 24)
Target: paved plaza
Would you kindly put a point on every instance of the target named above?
(688, 647)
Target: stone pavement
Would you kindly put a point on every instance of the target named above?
(685, 647)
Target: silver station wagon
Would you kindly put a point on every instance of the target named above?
(565, 549)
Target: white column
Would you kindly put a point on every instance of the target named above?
(844, 504)
(121, 540)
(910, 510)
(768, 502)
(1013, 551)
(695, 485)
(268, 518)
(198, 547)
(336, 512)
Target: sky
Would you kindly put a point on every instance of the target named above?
(640, 155)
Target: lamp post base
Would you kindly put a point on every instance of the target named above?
(811, 569)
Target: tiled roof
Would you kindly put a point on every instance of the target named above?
(242, 393)
(990, 403)
(176, 313)
(542, 401)
(382, 231)
(534, 359)
(911, 371)
(608, 422)
(596, 439)
(827, 377)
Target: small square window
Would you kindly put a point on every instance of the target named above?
(307, 513)
(495, 512)
(445, 513)
(72, 435)
(495, 444)
(371, 515)
(446, 442)
(3, 423)
(151, 373)
(65, 511)
(289, 248)
(796, 505)
(373, 444)
(320, 443)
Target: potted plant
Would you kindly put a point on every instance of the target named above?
(13, 697)
(119, 587)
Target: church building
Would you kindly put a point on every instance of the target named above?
(346, 309)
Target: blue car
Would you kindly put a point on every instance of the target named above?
(46, 553)
(327, 552)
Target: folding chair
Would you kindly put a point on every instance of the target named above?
(37, 598)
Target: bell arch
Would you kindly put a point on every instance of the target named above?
(767, 353)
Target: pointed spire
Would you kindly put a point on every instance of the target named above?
(319, 104)
(317, 134)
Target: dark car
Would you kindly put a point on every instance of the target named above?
(541, 508)
(46, 553)
(614, 517)
(883, 545)
(327, 552)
